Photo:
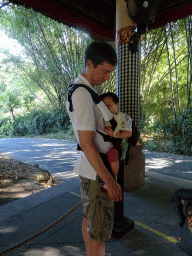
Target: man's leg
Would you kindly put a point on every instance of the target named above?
(97, 248)
(93, 248)
(99, 216)
(86, 236)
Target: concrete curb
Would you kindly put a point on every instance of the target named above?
(170, 179)
(13, 208)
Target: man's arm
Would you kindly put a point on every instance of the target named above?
(119, 134)
(125, 134)
(86, 139)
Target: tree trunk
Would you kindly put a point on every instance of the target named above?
(175, 62)
(170, 74)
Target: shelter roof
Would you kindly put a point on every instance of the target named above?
(98, 17)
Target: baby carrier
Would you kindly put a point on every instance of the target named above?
(105, 112)
(107, 116)
(182, 205)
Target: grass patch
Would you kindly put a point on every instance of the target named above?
(151, 143)
(157, 143)
(60, 135)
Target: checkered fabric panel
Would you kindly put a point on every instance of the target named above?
(128, 81)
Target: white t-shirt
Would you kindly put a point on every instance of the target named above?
(86, 116)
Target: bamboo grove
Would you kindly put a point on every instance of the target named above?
(52, 56)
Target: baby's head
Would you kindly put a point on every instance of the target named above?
(111, 101)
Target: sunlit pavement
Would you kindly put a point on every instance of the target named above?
(156, 225)
(58, 157)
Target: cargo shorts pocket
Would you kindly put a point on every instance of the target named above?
(101, 218)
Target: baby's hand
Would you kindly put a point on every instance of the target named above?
(117, 134)
(109, 131)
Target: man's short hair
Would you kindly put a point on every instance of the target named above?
(111, 95)
(100, 52)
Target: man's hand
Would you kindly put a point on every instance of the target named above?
(87, 144)
(115, 192)
(109, 131)
(119, 134)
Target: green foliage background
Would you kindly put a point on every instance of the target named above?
(34, 84)
(36, 122)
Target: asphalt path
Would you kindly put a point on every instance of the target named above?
(59, 156)
(56, 156)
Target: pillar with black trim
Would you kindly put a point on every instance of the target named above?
(128, 90)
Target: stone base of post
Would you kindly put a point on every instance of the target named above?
(134, 172)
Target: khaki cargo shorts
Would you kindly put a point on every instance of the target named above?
(98, 209)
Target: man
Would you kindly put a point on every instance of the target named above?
(99, 61)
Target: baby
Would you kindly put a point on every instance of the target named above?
(122, 130)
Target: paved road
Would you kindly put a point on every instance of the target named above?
(155, 222)
(56, 156)
(169, 164)
(59, 157)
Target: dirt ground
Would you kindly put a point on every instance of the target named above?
(17, 180)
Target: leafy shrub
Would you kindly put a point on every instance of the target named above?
(178, 131)
(19, 127)
(153, 145)
(6, 128)
(145, 126)
(162, 127)
(182, 133)
(36, 122)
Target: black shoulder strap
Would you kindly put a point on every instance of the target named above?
(94, 95)
(115, 141)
